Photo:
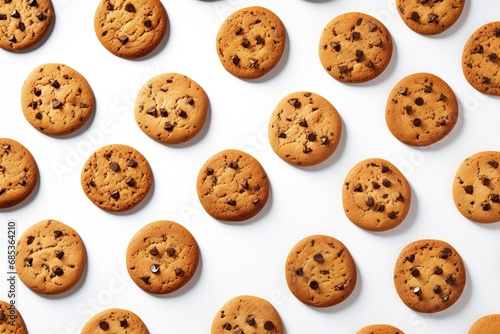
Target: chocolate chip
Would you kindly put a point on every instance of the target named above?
(437, 289)
(21, 26)
(179, 272)
(155, 268)
(392, 215)
(369, 64)
(54, 83)
(282, 135)
(495, 198)
(336, 46)
(240, 331)
(254, 63)
(438, 270)
(189, 100)
(259, 39)
(380, 207)
(123, 40)
(268, 325)
(417, 122)
(41, 16)
(255, 201)
(342, 69)
(450, 280)
(145, 279)
(359, 21)
(132, 163)
(493, 57)
(104, 325)
(233, 165)
(251, 321)
(115, 194)
(442, 97)
(415, 272)
(299, 272)
(32, 3)
(432, 18)
(58, 271)
(369, 202)
(404, 91)
(441, 123)
(227, 327)
(114, 166)
(410, 258)
(148, 24)
(12, 39)
(15, 14)
(163, 112)
(307, 150)
(359, 55)
(59, 255)
(319, 258)
(152, 112)
(22, 182)
(130, 182)
(58, 233)
(56, 104)
(386, 183)
(419, 101)
(123, 323)
(493, 164)
(358, 188)
(496, 32)
(245, 43)
(417, 291)
(303, 123)
(3, 17)
(238, 31)
(182, 114)
(414, 16)
(256, 188)
(443, 255)
(110, 7)
(170, 251)
(231, 202)
(154, 251)
(356, 35)
(130, 8)
(485, 80)
(169, 127)
(30, 239)
(29, 262)
(373, 27)
(235, 59)
(210, 171)
(478, 49)
(340, 286)
(314, 285)
(485, 181)
(375, 185)
(427, 89)
(469, 190)
(324, 140)
(486, 206)
(244, 184)
(295, 103)
(37, 92)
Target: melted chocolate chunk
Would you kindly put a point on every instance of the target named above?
(114, 166)
(104, 325)
(123, 323)
(130, 8)
(369, 202)
(469, 190)
(58, 271)
(154, 251)
(392, 215)
(132, 163)
(233, 165)
(245, 43)
(438, 270)
(414, 16)
(415, 272)
(268, 325)
(319, 258)
(387, 183)
(493, 164)
(478, 49)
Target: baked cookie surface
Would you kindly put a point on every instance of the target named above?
(376, 196)
(115, 320)
(480, 59)
(24, 24)
(56, 99)
(304, 129)
(171, 108)
(476, 187)
(429, 275)
(320, 271)
(116, 177)
(232, 186)
(11, 321)
(421, 109)
(380, 329)
(488, 324)
(251, 42)
(355, 47)
(130, 28)
(50, 257)
(18, 173)
(430, 17)
(162, 257)
(247, 315)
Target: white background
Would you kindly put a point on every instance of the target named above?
(249, 258)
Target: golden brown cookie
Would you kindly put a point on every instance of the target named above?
(56, 99)
(130, 28)
(116, 177)
(304, 129)
(18, 173)
(480, 59)
(24, 23)
(115, 321)
(320, 271)
(430, 17)
(250, 42)
(488, 324)
(162, 257)
(232, 186)
(421, 109)
(355, 47)
(380, 329)
(429, 275)
(476, 187)
(11, 321)
(246, 315)
(50, 257)
(376, 196)
(171, 108)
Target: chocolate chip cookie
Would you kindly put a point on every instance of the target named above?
(24, 24)
(171, 108)
(130, 28)
(50, 257)
(488, 324)
(251, 42)
(430, 17)
(162, 257)
(429, 275)
(232, 186)
(247, 314)
(480, 59)
(476, 187)
(304, 129)
(380, 329)
(376, 196)
(116, 177)
(421, 109)
(18, 173)
(115, 320)
(11, 321)
(320, 271)
(56, 99)
(355, 47)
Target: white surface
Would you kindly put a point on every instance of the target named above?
(249, 258)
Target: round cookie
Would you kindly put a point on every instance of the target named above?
(355, 47)
(18, 173)
(24, 24)
(50, 257)
(320, 271)
(132, 28)
(380, 329)
(232, 186)
(246, 315)
(421, 109)
(304, 129)
(116, 177)
(476, 187)
(250, 42)
(481, 59)
(429, 275)
(171, 108)
(56, 99)
(376, 196)
(489, 324)
(115, 320)
(430, 17)
(162, 257)
(11, 320)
